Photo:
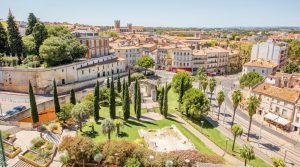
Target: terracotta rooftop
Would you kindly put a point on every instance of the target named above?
(261, 63)
(286, 94)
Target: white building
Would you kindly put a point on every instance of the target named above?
(129, 53)
(260, 66)
(182, 59)
(271, 50)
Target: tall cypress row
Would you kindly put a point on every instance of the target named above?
(161, 100)
(96, 102)
(72, 97)
(14, 38)
(119, 85)
(135, 95)
(126, 103)
(107, 82)
(123, 89)
(34, 111)
(32, 20)
(112, 100)
(138, 103)
(55, 98)
(129, 77)
(165, 102)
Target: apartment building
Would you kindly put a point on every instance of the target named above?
(271, 50)
(260, 66)
(97, 46)
(163, 59)
(280, 104)
(182, 59)
(129, 53)
(217, 60)
(199, 60)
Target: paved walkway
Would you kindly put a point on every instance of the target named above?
(209, 143)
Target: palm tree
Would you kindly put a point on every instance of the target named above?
(252, 104)
(212, 85)
(236, 99)
(204, 83)
(201, 76)
(220, 100)
(107, 127)
(80, 112)
(119, 124)
(247, 153)
(236, 130)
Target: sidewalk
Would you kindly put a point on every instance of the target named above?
(209, 143)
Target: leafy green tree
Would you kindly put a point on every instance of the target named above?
(65, 112)
(107, 82)
(55, 98)
(32, 20)
(54, 51)
(278, 162)
(29, 46)
(138, 103)
(112, 100)
(119, 123)
(96, 102)
(212, 85)
(220, 100)
(119, 85)
(72, 97)
(80, 112)
(250, 79)
(58, 31)
(181, 93)
(108, 126)
(34, 111)
(39, 34)
(247, 153)
(236, 99)
(236, 130)
(165, 102)
(14, 38)
(294, 50)
(3, 40)
(204, 84)
(291, 67)
(126, 103)
(194, 100)
(161, 100)
(177, 79)
(252, 104)
(74, 48)
(201, 77)
(145, 62)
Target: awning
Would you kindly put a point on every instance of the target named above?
(277, 119)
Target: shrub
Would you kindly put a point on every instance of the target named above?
(137, 76)
(34, 64)
(42, 128)
(64, 159)
(37, 142)
(53, 127)
(5, 135)
(132, 162)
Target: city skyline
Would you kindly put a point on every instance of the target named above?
(190, 13)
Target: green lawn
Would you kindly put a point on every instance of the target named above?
(129, 131)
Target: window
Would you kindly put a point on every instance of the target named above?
(98, 75)
(9, 81)
(82, 72)
(89, 70)
(277, 109)
(103, 73)
(297, 120)
(63, 81)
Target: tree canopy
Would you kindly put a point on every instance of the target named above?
(14, 38)
(176, 81)
(291, 67)
(294, 50)
(3, 40)
(39, 34)
(250, 79)
(145, 61)
(32, 20)
(194, 100)
(29, 46)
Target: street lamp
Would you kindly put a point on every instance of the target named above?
(202, 123)
(151, 157)
(187, 161)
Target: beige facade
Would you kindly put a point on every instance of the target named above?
(129, 53)
(75, 75)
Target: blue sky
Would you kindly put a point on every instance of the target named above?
(174, 13)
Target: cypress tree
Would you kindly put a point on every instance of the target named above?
(72, 97)
(112, 100)
(135, 95)
(55, 98)
(107, 83)
(126, 103)
(119, 85)
(161, 100)
(129, 77)
(39, 34)
(34, 111)
(32, 20)
(2, 156)
(165, 103)
(123, 89)
(139, 103)
(96, 102)
(14, 38)
(3, 40)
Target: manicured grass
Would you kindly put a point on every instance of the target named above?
(129, 131)
(219, 139)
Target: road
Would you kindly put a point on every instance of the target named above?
(272, 142)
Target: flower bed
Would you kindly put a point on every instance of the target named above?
(40, 153)
(10, 150)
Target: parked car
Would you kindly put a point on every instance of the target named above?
(14, 111)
